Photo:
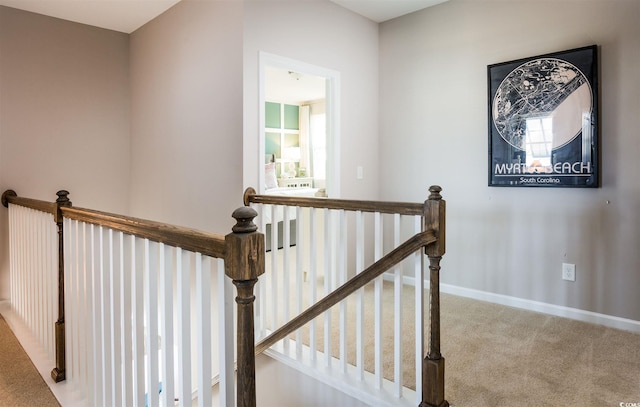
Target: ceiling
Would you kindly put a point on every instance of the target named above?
(291, 87)
(129, 15)
(383, 10)
(119, 15)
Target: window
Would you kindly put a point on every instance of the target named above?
(539, 141)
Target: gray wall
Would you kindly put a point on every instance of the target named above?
(64, 115)
(75, 97)
(186, 110)
(512, 241)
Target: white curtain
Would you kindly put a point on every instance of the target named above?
(318, 135)
(304, 138)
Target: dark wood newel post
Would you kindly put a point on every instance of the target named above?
(244, 263)
(433, 364)
(58, 373)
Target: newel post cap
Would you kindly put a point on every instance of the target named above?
(63, 198)
(244, 258)
(244, 220)
(435, 192)
(435, 209)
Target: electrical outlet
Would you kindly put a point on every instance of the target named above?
(568, 271)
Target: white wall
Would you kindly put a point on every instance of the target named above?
(323, 34)
(512, 241)
(64, 115)
(186, 128)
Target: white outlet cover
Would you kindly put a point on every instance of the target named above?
(568, 271)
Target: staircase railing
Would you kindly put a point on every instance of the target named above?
(125, 278)
(284, 215)
(396, 256)
(138, 283)
(37, 270)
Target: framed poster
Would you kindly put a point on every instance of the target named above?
(543, 120)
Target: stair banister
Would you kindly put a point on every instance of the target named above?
(432, 239)
(55, 208)
(433, 364)
(360, 280)
(58, 373)
(244, 263)
(244, 253)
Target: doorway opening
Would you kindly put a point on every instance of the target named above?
(299, 127)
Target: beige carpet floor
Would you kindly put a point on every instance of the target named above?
(20, 383)
(502, 356)
(495, 356)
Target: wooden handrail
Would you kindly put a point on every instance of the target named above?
(209, 244)
(390, 260)
(10, 197)
(402, 208)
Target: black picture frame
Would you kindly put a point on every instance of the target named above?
(543, 120)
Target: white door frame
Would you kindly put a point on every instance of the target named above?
(333, 115)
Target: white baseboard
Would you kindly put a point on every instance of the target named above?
(347, 383)
(536, 306)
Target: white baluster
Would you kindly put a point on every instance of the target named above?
(105, 314)
(126, 284)
(71, 236)
(96, 272)
(183, 268)
(203, 327)
(82, 245)
(419, 307)
(273, 275)
(226, 345)
(12, 253)
(300, 247)
(328, 270)
(51, 284)
(23, 270)
(359, 297)
(83, 313)
(151, 319)
(137, 250)
(378, 241)
(30, 274)
(286, 270)
(16, 250)
(19, 264)
(342, 270)
(397, 320)
(116, 303)
(166, 322)
(106, 255)
(45, 277)
(313, 276)
(261, 285)
(36, 250)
